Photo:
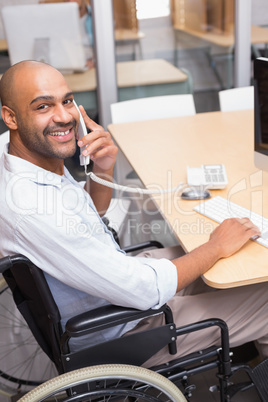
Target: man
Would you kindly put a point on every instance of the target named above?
(47, 216)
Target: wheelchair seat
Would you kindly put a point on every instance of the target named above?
(33, 298)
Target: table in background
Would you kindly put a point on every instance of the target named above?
(222, 43)
(136, 79)
(3, 45)
(129, 37)
(122, 37)
(160, 150)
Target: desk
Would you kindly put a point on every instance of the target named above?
(136, 79)
(258, 35)
(3, 46)
(129, 37)
(122, 37)
(214, 137)
(222, 42)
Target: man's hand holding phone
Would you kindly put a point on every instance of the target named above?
(97, 145)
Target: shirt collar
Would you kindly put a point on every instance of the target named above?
(25, 169)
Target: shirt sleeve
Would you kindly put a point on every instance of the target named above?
(85, 262)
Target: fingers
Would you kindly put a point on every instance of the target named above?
(249, 226)
(98, 142)
(242, 225)
(232, 234)
(110, 151)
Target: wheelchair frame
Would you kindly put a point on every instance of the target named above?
(35, 301)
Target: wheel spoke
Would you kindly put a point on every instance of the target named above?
(23, 364)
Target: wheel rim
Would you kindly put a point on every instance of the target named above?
(107, 383)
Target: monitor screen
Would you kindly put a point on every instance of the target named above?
(45, 32)
(261, 113)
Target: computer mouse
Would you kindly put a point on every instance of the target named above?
(195, 193)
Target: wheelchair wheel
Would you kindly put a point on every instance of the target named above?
(110, 382)
(23, 365)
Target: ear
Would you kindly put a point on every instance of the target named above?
(9, 118)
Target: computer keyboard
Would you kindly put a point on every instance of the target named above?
(218, 209)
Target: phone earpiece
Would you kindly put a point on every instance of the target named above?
(82, 131)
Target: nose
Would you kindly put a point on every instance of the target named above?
(62, 115)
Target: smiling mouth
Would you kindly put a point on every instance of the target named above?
(60, 133)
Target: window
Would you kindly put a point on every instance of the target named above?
(152, 8)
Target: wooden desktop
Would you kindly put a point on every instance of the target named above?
(3, 45)
(224, 40)
(136, 79)
(215, 44)
(131, 74)
(129, 37)
(160, 151)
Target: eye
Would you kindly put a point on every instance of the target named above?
(41, 107)
(67, 101)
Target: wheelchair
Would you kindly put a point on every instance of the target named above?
(111, 371)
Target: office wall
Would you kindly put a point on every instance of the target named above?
(125, 14)
(204, 15)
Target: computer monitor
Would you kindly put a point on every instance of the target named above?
(261, 113)
(45, 32)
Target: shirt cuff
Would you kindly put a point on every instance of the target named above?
(166, 278)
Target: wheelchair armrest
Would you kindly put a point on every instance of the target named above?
(5, 263)
(141, 246)
(105, 317)
(109, 316)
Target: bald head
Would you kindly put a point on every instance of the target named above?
(38, 109)
(18, 77)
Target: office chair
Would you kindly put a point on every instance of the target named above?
(236, 99)
(35, 301)
(152, 108)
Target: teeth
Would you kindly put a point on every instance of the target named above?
(60, 133)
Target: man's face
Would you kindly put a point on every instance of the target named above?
(47, 119)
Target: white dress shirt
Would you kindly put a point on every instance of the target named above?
(52, 220)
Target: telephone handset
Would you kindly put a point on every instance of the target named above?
(82, 131)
